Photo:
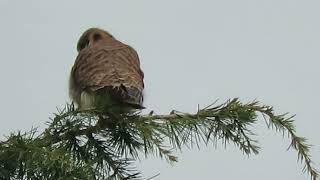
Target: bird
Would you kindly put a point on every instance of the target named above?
(106, 74)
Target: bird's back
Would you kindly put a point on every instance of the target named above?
(110, 68)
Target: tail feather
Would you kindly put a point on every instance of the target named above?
(130, 96)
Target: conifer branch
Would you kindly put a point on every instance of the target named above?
(285, 124)
(97, 145)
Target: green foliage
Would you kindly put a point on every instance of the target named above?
(99, 145)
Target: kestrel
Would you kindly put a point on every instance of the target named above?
(106, 73)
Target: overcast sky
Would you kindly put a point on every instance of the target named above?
(192, 52)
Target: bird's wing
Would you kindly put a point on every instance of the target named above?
(102, 68)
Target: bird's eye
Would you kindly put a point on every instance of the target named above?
(82, 45)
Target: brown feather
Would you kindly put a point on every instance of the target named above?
(107, 63)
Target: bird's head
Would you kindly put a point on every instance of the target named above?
(91, 36)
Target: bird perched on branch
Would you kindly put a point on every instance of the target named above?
(106, 73)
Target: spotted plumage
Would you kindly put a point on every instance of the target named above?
(106, 72)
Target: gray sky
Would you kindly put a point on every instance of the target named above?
(192, 52)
